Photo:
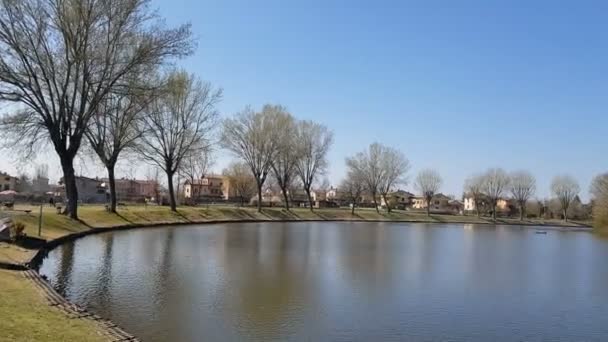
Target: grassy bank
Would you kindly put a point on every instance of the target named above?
(25, 315)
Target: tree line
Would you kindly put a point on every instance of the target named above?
(98, 76)
(80, 72)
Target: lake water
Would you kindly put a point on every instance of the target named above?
(340, 282)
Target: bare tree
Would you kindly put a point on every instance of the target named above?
(179, 122)
(474, 187)
(252, 137)
(59, 59)
(566, 189)
(496, 181)
(381, 168)
(240, 180)
(195, 166)
(599, 191)
(367, 164)
(523, 186)
(428, 183)
(113, 130)
(353, 187)
(313, 142)
(284, 163)
(394, 166)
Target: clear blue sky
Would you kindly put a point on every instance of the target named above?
(457, 86)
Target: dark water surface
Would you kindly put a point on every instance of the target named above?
(341, 282)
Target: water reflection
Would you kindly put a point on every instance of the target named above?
(340, 281)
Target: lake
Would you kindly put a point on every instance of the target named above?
(332, 281)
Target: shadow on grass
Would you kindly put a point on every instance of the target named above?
(237, 213)
(124, 218)
(179, 214)
(282, 214)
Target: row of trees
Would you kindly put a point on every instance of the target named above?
(96, 73)
(494, 184)
(271, 142)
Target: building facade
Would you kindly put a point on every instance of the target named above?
(133, 190)
(439, 203)
(398, 200)
(504, 206)
(8, 182)
(90, 190)
(208, 188)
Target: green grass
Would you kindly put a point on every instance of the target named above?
(25, 315)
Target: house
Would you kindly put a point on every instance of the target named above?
(399, 199)
(456, 207)
(90, 190)
(504, 206)
(269, 198)
(336, 197)
(133, 190)
(8, 182)
(207, 188)
(440, 203)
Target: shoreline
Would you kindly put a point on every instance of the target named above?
(29, 269)
(42, 252)
(49, 245)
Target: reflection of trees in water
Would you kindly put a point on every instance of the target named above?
(101, 300)
(271, 282)
(64, 271)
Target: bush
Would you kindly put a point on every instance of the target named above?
(19, 231)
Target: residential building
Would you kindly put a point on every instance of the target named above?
(440, 203)
(504, 206)
(269, 198)
(90, 190)
(207, 188)
(8, 182)
(399, 199)
(337, 197)
(133, 190)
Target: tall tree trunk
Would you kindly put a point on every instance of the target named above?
(522, 207)
(259, 196)
(171, 191)
(428, 207)
(71, 191)
(388, 205)
(375, 203)
(310, 203)
(352, 210)
(477, 209)
(112, 182)
(285, 198)
(494, 205)
(565, 214)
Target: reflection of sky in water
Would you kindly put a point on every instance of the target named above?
(340, 281)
